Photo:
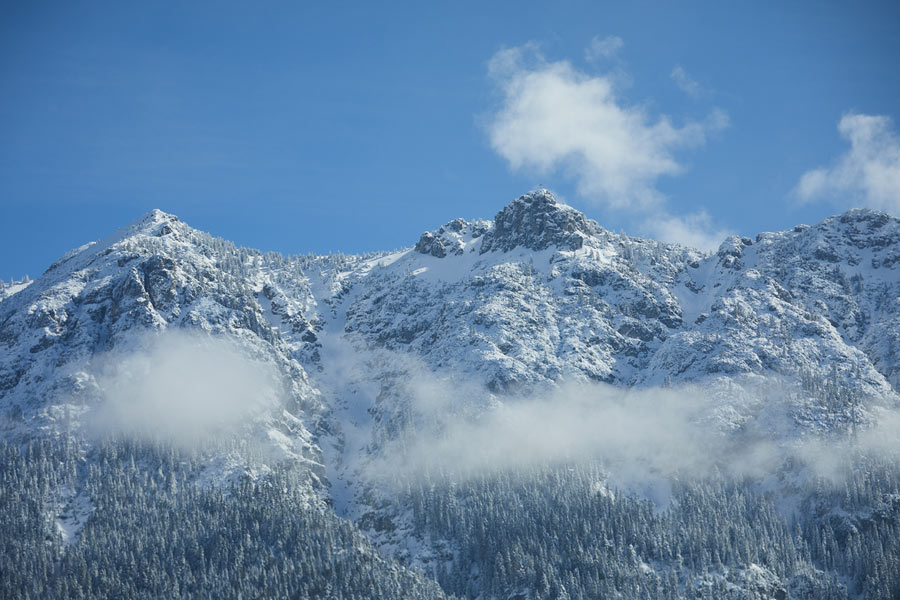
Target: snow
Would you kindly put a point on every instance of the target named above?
(14, 287)
(73, 511)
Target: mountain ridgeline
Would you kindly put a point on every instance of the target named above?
(525, 407)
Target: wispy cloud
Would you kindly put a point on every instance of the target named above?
(687, 83)
(867, 174)
(697, 230)
(600, 48)
(555, 118)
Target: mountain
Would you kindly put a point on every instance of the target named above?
(563, 297)
(104, 297)
(787, 336)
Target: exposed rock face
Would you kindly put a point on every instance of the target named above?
(537, 221)
(450, 238)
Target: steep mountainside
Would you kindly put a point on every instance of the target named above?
(537, 296)
(542, 295)
(104, 298)
(497, 311)
(563, 297)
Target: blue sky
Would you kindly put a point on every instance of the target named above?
(354, 126)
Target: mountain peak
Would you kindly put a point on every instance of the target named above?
(859, 227)
(538, 220)
(865, 218)
(157, 215)
(540, 200)
(153, 223)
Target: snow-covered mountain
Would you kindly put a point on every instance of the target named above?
(542, 293)
(506, 308)
(104, 301)
(539, 295)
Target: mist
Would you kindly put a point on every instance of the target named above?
(182, 387)
(572, 422)
(642, 436)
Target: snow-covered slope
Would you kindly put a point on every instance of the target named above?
(815, 298)
(538, 295)
(542, 294)
(8, 289)
(99, 303)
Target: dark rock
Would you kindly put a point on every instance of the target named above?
(538, 221)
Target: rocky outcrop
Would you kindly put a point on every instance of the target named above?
(537, 221)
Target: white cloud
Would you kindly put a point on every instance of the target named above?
(555, 118)
(687, 83)
(696, 230)
(446, 424)
(182, 387)
(867, 174)
(603, 48)
(639, 430)
(639, 434)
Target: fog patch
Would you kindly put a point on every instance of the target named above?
(656, 430)
(831, 459)
(884, 437)
(644, 437)
(182, 387)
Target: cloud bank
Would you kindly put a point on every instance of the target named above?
(182, 387)
(555, 118)
(643, 437)
(639, 429)
(867, 174)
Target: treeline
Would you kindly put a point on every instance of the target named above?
(154, 533)
(854, 528)
(558, 533)
(552, 532)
